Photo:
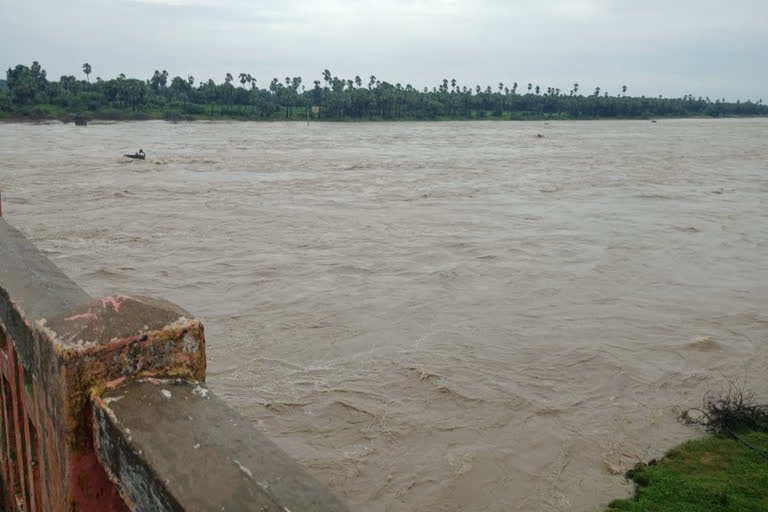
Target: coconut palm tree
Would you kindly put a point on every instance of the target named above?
(87, 71)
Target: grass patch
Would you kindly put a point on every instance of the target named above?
(728, 472)
(718, 474)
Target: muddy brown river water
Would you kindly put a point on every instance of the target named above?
(432, 316)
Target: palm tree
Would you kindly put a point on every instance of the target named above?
(228, 78)
(575, 88)
(372, 81)
(358, 81)
(243, 79)
(87, 71)
(537, 90)
(530, 86)
(191, 80)
(624, 90)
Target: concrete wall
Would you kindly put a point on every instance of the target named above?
(104, 406)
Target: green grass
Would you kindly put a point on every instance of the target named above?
(717, 474)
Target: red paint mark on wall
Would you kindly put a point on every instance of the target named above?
(115, 301)
(90, 488)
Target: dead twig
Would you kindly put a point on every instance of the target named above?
(727, 413)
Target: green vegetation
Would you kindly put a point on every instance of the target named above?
(718, 474)
(726, 473)
(30, 95)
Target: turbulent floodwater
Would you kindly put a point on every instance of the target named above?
(437, 316)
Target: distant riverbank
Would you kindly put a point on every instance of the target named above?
(42, 114)
(27, 93)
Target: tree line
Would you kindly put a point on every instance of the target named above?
(28, 93)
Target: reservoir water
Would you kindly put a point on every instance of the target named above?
(432, 316)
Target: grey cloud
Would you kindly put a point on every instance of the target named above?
(656, 47)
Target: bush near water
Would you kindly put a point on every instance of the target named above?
(727, 472)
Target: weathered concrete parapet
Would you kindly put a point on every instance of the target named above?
(70, 358)
(96, 346)
(171, 445)
(44, 451)
(102, 407)
(122, 336)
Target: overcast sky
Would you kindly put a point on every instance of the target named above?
(669, 47)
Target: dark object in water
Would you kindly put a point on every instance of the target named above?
(81, 121)
(539, 136)
(139, 155)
